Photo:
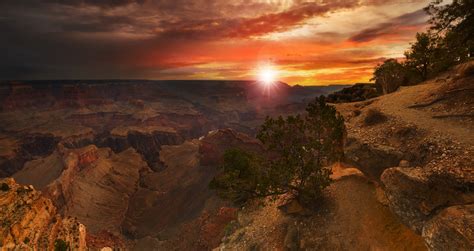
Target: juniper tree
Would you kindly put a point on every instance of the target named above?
(299, 152)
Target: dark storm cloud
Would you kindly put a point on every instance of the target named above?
(391, 27)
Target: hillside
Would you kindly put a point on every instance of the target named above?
(417, 143)
(414, 150)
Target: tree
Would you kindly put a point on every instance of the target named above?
(420, 57)
(242, 177)
(390, 75)
(300, 150)
(455, 19)
(449, 41)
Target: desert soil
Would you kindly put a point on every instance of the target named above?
(350, 218)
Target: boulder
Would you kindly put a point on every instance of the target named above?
(404, 163)
(451, 229)
(29, 221)
(371, 159)
(416, 194)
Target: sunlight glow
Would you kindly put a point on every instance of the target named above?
(267, 75)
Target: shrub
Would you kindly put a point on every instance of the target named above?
(299, 151)
(389, 76)
(374, 117)
(61, 245)
(4, 187)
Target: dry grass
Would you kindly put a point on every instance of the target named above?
(374, 117)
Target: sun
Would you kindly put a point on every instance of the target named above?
(267, 75)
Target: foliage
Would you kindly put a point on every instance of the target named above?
(299, 150)
(449, 41)
(432, 54)
(4, 187)
(241, 177)
(389, 76)
(420, 57)
(454, 19)
(454, 24)
(61, 245)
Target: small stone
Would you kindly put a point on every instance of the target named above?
(404, 163)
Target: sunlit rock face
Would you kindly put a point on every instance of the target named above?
(29, 221)
(90, 183)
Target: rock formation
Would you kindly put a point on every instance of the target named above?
(29, 221)
(421, 158)
(90, 183)
(180, 191)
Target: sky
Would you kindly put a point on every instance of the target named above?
(306, 42)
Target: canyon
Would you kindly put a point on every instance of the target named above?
(131, 160)
(126, 165)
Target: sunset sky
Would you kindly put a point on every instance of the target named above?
(307, 42)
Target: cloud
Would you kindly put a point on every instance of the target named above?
(395, 26)
(101, 3)
(163, 38)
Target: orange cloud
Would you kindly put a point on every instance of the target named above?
(204, 39)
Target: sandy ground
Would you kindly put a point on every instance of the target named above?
(349, 218)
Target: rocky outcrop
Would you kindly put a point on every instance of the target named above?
(416, 194)
(90, 183)
(29, 221)
(435, 204)
(214, 145)
(180, 192)
(96, 186)
(371, 159)
(451, 229)
(424, 149)
(9, 148)
(357, 92)
(18, 151)
(147, 140)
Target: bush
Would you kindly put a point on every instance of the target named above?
(4, 187)
(240, 179)
(300, 150)
(390, 75)
(374, 117)
(61, 245)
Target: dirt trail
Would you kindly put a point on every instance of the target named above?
(397, 105)
(351, 218)
(355, 220)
